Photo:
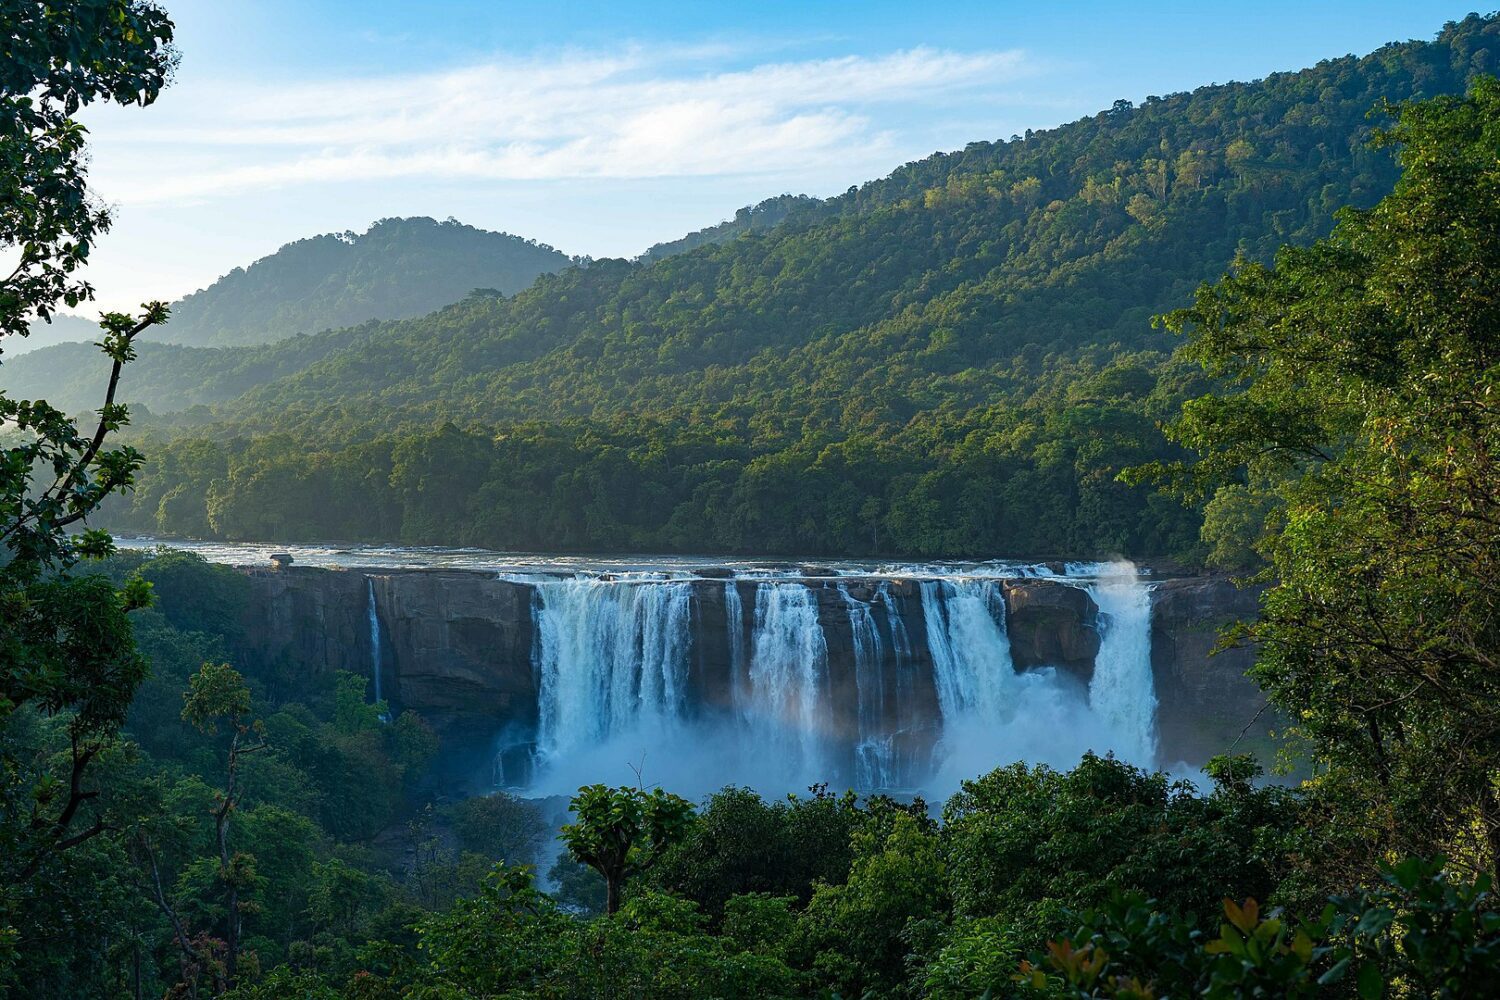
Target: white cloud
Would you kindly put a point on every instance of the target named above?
(633, 113)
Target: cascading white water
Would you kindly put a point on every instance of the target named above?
(993, 714)
(1122, 693)
(788, 709)
(900, 640)
(613, 655)
(875, 753)
(613, 661)
(970, 650)
(734, 623)
(374, 620)
(613, 658)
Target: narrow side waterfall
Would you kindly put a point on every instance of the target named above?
(374, 620)
(900, 640)
(908, 716)
(734, 624)
(1123, 691)
(875, 753)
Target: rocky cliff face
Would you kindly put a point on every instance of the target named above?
(1052, 625)
(459, 648)
(1206, 701)
(313, 619)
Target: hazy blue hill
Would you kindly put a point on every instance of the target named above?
(165, 377)
(398, 268)
(63, 329)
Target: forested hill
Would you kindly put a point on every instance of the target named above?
(954, 359)
(765, 215)
(397, 268)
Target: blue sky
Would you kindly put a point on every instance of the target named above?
(603, 127)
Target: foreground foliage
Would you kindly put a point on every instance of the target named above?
(69, 665)
(1419, 933)
(1363, 428)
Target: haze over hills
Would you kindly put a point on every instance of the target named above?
(64, 328)
(399, 268)
(954, 359)
(395, 269)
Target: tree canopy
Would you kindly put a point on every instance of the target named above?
(1360, 421)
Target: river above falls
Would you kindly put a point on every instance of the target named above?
(525, 566)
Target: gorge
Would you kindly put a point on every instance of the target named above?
(544, 675)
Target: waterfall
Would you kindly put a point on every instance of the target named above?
(1122, 693)
(374, 619)
(788, 678)
(971, 661)
(613, 660)
(899, 638)
(907, 713)
(875, 753)
(991, 714)
(734, 622)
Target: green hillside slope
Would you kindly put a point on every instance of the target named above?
(955, 359)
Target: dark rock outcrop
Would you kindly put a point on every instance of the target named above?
(1205, 700)
(460, 644)
(310, 619)
(1052, 624)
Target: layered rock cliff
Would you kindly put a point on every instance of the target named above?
(460, 648)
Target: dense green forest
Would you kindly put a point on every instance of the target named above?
(181, 819)
(957, 359)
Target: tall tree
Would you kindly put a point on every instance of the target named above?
(218, 696)
(1363, 414)
(65, 643)
(621, 832)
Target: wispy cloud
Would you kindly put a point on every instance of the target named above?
(631, 113)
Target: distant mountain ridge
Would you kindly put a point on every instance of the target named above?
(395, 269)
(761, 216)
(956, 359)
(64, 328)
(398, 268)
